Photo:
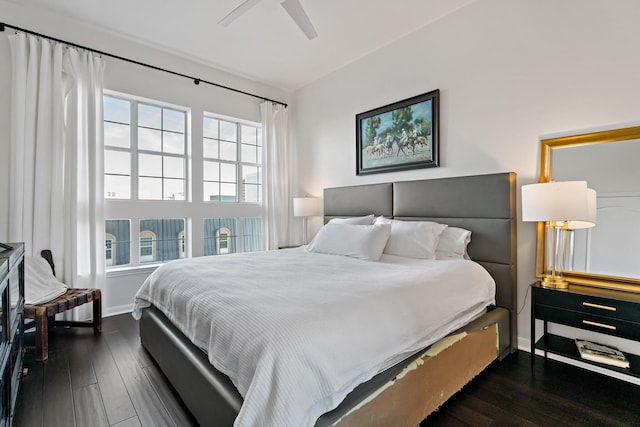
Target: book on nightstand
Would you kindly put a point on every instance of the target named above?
(601, 353)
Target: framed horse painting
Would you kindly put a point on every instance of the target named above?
(398, 136)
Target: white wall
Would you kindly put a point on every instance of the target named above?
(131, 79)
(509, 71)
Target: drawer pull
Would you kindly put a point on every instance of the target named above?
(600, 325)
(603, 307)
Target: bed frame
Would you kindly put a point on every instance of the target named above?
(407, 392)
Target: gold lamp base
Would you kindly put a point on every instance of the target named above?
(554, 282)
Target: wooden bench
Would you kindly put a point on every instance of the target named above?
(43, 315)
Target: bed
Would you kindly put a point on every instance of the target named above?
(405, 391)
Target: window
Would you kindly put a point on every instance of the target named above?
(109, 249)
(149, 182)
(181, 247)
(223, 243)
(117, 153)
(252, 234)
(160, 239)
(232, 154)
(145, 150)
(117, 242)
(251, 158)
(220, 235)
(161, 153)
(230, 235)
(147, 246)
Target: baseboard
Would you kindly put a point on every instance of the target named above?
(114, 311)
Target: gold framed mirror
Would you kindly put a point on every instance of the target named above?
(607, 255)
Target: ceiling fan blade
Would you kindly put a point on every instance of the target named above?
(297, 13)
(237, 12)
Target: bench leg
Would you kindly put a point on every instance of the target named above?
(97, 316)
(42, 334)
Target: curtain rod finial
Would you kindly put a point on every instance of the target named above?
(1, 27)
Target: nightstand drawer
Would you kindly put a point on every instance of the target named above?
(583, 320)
(599, 306)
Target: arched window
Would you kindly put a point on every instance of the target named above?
(223, 241)
(147, 246)
(181, 247)
(110, 250)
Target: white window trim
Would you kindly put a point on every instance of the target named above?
(239, 162)
(193, 209)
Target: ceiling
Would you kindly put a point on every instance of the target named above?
(264, 44)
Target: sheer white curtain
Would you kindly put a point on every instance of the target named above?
(278, 174)
(56, 190)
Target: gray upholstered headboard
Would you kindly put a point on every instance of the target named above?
(484, 204)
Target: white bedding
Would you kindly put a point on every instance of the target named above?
(297, 331)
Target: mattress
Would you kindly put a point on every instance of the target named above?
(297, 331)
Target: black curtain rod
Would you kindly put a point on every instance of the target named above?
(196, 80)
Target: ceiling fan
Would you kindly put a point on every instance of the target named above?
(293, 8)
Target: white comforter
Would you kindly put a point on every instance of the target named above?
(297, 331)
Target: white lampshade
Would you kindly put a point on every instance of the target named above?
(566, 201)
(306, 206)
(591, 213)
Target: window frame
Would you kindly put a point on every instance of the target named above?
(193, 208)
(135, 151)
(239, 162)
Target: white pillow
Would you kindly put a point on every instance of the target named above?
(353, 240)
(412, 239)
(453, 243)
(359, 220)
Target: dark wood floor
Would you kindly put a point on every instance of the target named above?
(111, 381)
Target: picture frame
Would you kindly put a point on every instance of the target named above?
(400, 136)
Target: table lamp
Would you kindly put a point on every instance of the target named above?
(563, 207)
(306, 207)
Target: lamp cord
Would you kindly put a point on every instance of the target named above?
(524, 302)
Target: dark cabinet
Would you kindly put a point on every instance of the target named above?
(11, 329)
(606, 311)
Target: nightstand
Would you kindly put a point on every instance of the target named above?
(606, 311)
